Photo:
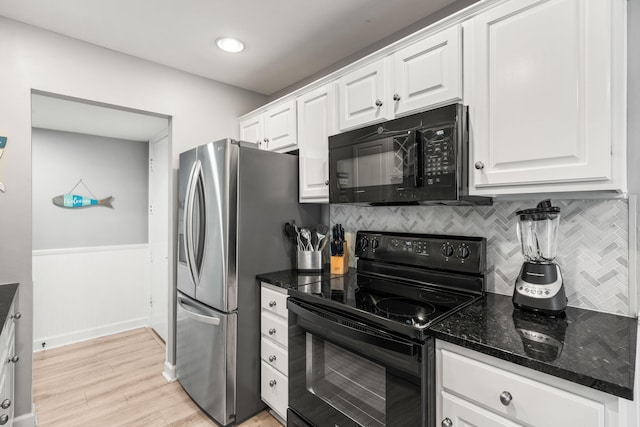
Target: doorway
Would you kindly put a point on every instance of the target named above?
(104, 273)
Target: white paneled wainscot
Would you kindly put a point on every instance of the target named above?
(84, 293)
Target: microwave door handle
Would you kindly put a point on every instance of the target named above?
(419, 160)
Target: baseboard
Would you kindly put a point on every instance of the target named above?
(87, 334)
(169, 372)
(26, 420)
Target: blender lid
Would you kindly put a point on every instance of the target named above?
(543, 211)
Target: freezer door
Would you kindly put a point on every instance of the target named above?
(217, 182)
(206, 357)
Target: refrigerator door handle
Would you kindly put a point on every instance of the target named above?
(189, 208)
(215, 321)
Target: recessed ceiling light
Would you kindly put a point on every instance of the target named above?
(229, 44)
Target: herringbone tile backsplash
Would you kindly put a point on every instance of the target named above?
(592, 243)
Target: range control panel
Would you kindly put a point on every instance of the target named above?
(465, 254)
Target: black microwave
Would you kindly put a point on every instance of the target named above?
(418, 159)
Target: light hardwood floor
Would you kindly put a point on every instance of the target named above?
(115, 381)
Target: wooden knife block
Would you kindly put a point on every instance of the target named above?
(340, 264)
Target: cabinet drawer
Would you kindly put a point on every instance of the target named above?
(274, 327)
(274, 355)
(530, 402)
(274, 389)
(274, 301)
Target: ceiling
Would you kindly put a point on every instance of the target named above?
(286, 41)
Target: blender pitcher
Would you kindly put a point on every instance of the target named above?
(539, 285)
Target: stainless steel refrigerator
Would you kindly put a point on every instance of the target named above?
(233, 202)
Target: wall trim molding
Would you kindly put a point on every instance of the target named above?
(88, 334)
(88, 249)
(27, 420)
(169, 372)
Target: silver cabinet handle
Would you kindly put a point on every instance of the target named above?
(272, 331)
(272, 303)
(272, 383)
(446, 423)
(5, 404)
(14, 359)
(396, 97)
(272, 358)
(378, 103)
(4, 418)
(505, 398)
(259, 143)
(16, 316)
(479, 165)
(326, 182)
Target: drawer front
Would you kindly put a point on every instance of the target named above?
(274, 355)
(274, 327)
(530, 402)
(274, 389)
(274, 302)
(461, 413)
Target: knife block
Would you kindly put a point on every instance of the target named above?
(340, 264)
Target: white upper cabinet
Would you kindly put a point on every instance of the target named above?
(316, 121)
(422, 75)
(362, 95)
(428, 73)
(545, 94)
(273, 129)
(252, 130)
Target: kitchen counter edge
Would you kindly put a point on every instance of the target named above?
(591, 354)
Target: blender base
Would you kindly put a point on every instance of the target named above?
(539, 288)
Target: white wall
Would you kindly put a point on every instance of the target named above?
(85, 293)
(201, 111)
(108, 167)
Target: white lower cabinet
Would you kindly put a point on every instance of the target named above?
(7, 368)
(274, 385)
(474, 389)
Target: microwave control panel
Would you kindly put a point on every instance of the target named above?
(439, 156)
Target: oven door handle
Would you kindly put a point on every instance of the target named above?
(316, 320)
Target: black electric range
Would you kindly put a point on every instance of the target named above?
(405, 282)
(359, 349)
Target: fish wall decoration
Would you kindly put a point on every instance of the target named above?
(73, 201)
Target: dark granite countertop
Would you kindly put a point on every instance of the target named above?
(292, 278)
(7, 293)
(586, 347)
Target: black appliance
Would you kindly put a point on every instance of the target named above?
(418, 159)
(539, 286)
(359, 346)
(542, 337)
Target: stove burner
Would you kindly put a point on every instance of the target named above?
(413, 312)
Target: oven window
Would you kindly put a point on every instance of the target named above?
(387, 161)
(349, 383)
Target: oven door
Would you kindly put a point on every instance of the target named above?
(346, 373)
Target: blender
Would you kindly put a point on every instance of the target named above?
(539, 285)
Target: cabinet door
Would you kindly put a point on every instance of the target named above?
(252, 130)
(428, 73)
(274, 389)
(460, 413)
(280, 127)
(316, 121)
(361, 96)
(541, 100)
